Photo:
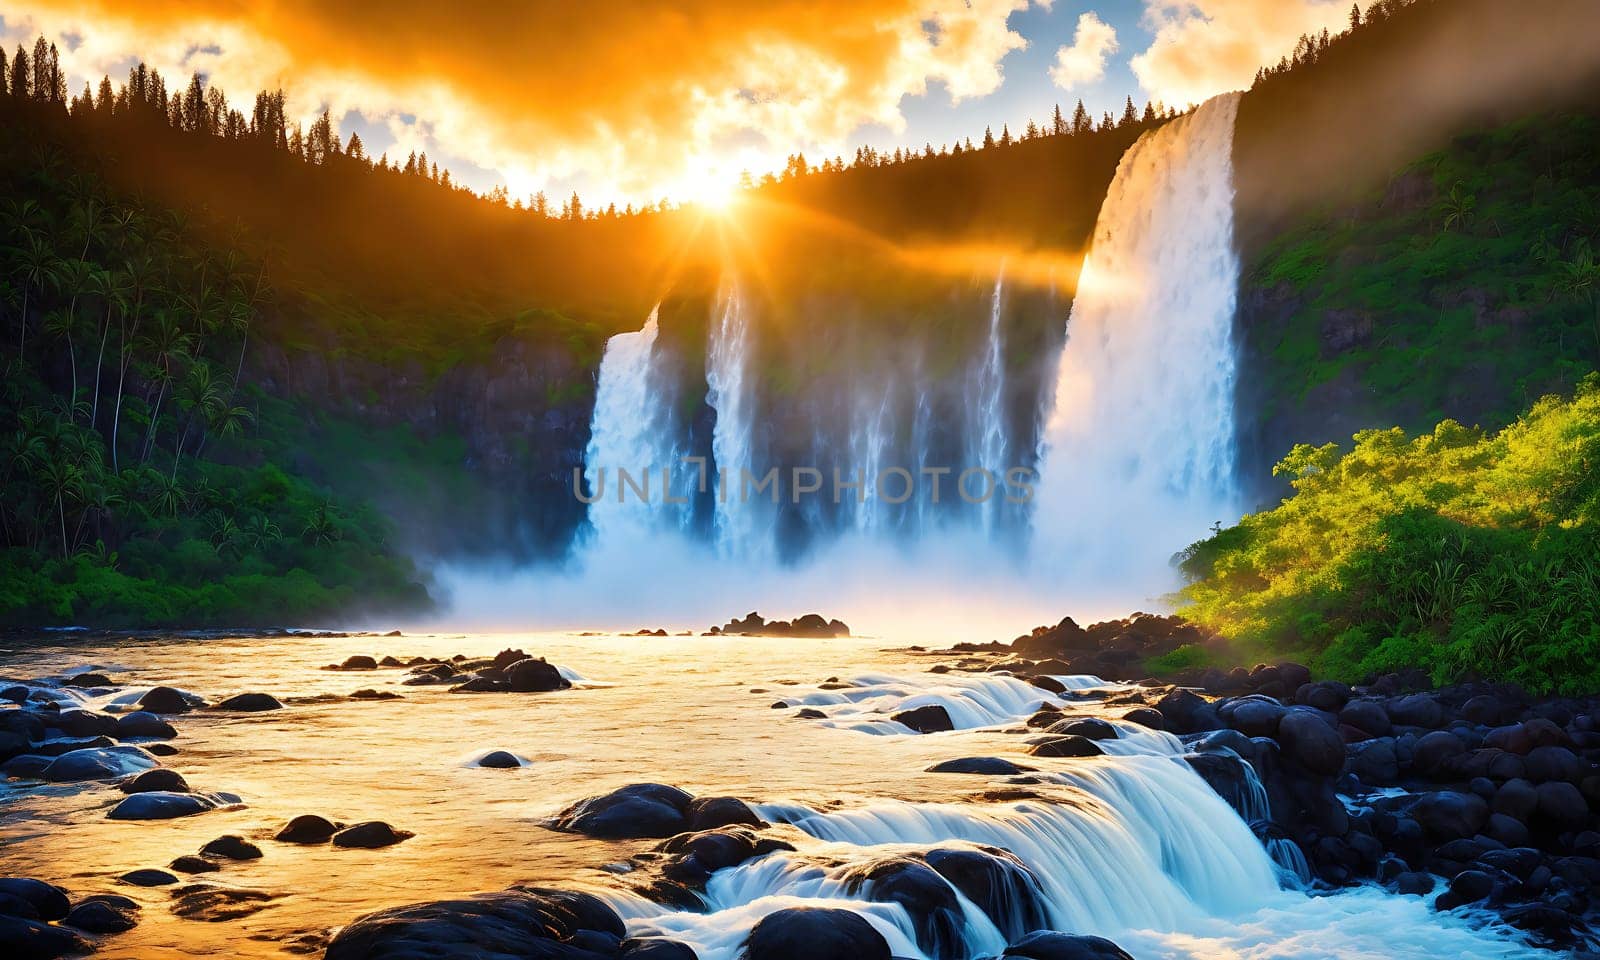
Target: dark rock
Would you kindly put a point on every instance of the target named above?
(106, 763)
(25, 939)
(165, 700)
(370, 835)
(637, 810)
(307, 828)
(1545, 764)
(1146, 717)
(1048, 945)
(148, 878)
(143, 723)
(1434, 750)
(1311, 742)
(812, 933)
(164, 805)
(986, 766)
(49, 901)
(83, 723)
(696, 856)
(1485, 710)
(534, 676)
(932, 718)
(86, 680)
(214, 904)
(233, 847)
(159, 779)
(97, 916)
(499, 760)
(1470, 886)
(809, 714)
(481, 685)
(1375, 762)
(1325, 695)
(1507, 830)
(997, 883)
(250, 703)
(189, 863)
(531, 923)
(1561, 806)
(1187, 712)
(1066, 746)
(1414, 883)
(1449, 815)
(1256, 717)
(709, 813)
(1416, 710)
(1368, 716)
(359, 662)
(505, 658)
(1090, 728)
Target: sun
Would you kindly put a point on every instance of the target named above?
(712, 190)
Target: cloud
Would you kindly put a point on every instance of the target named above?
(633, 96)
(1085, 61)
(1205, 47)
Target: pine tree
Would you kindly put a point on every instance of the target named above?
(411, 164)
(196, 116)
(1149, 112)
(1355, 15)
(1032, 132)
(21, 76)
(1005, 135)
(1081, 123)
(5, 74)
(43, 84)
(1058, 124)
(104, 99)
(988, 138)
(354, 150)
(1129, 114)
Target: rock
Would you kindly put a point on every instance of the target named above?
(166, 805)
(97, 916)
(143, 723)
(107, 763)
(708, 813)
(49, 901)
(250, 703)
(810, 714)
(1066, 746)
(1449, 815)
(358, 662)
(213, 904)
(1367, 716)
(1090, 728)
(986, 766)
(505, 658)
(159, 779)
(1187, 712)
(24, 939)
(813, 933)
(696, 856)
(1327, 695)
(1416, 710)
(634, 811)
(1485, 710)
(370, 835)
(1048, 945)
(481, 685)
(231, 846)
(189, 863)
(1146, 717)
(83, 723)
(1309, 741)
(1506, 830)
(307, 828)
(929, 902)
(1470, 886)
(1561, 806)
(931, 718)
(534, 676)
(367, 693)
(1545, 764)
(148, 878)
(997, 883)
(165, 700)
(1435, 750)
(1414, 883)
(499, 760)
(1375, 762)
(1516, 799)
(161, 749)
(527, 922)
(655, 948)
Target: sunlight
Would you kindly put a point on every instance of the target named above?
(710, 189)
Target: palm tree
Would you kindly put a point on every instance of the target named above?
(1579, 279)
(115, 289)
(322, 528)
(1459, 206)
(224, 421)
(201, 395)
(261, 531)
(141, 271)
(36, 266)
(61, 480)
(167, 343)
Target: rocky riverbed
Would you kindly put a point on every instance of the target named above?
(362, 796)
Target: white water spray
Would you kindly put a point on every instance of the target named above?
(1139, 448)
(741, 527)
(986, 431)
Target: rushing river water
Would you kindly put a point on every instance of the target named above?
(1132, 845)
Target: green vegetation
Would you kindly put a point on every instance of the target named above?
(1468, 288)
(1457, 551)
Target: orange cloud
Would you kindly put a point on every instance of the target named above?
(1204, 47)
(1084, 61)
(632, 95)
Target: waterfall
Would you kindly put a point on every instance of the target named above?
(741, 527)
(1138, 450)
(627, 439)
(986, 429)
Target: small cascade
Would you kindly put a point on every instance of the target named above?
(986, 428)
(1139, 448)
(866, 703)
(629, 445)
(741, 526)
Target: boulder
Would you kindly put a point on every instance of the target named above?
(1449, 815)
(709, 813)
(307, 828)
(49, 902)
(694, 857)
(499, 760)
(1561, 806)
(250, 703)
(1545, 764)
(985, 766)
(143, 723)
(358, 662)
(1066, 746)
(1311, 742)
(148, 878)
(104, 763)
(1049, 945)
(812, 933)
(160, 778)
(100, 916)
(166, 805)
(25, 939)
(534, 676)
(526, 922)
(370, 835)
(165, 700)
(637, 810)
(1090, 728)
(1434, 752)
(1254, 717)
(1146, 717)
(931, 718)
(1367, 716)
(997, 883)
(232, 847)
(189, 863)
(1416, 710)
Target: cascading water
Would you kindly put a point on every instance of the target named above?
(1139, 448)
(986, 432)
(741, 525)
(627, 447)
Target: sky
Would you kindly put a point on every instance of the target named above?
(635, 101)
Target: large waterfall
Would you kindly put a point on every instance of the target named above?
(1140, 444)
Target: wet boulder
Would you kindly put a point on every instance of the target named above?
(1253, 716)
(499, 760)
(1449, 815)
(1309, 741)
(1090, 728)
(1066, 746)
(634, 811)
(695, 856)
(931, 718)
(370, 835)
(925, 896)
(143, 723)
(1434, 753)
(986, 766)
(1187, 712)
(359, 661)
(165, 700)
(1368, 716)
(534, 676)
(189, 863)
(26, 939)
(148, 877)
(997, 883)
(167, 805)
(249, 703)
(107, 763)
(654, 948)
(1146, 717)
(307, 828)
(1416, 710)
(812, 933)
(1049, 945)
(1561, 806)
(160, 778)
(708, 813)
(104, 915)
(231, 846)
(83, 723)
(48, 901)
(1548, 763)
(518, 923)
